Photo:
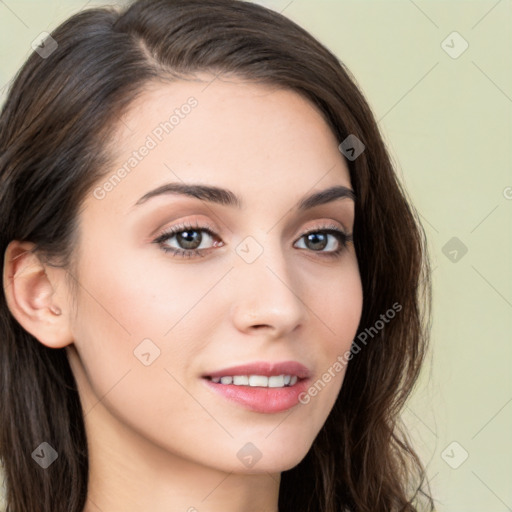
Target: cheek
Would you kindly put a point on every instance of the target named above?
(336, 302)
(129, 363)
(125, 308)
(343, 305)
(336, 309)
(139, 295)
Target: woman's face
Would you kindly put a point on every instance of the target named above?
(151, 325)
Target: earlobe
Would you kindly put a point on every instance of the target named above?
(32, 298)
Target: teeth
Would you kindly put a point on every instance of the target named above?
(275, 381)
(258, 380)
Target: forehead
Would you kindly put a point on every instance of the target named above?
(226, 132)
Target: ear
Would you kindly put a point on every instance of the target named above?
(35, 295)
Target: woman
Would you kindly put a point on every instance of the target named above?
(215, 290)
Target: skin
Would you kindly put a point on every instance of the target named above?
(159, 439)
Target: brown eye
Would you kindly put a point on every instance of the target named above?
(322, 238)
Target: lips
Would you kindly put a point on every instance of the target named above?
(267, 400)
(264, 368)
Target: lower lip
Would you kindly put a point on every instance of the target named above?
(260, 399)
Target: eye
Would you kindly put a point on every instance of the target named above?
(189, 239)
(188, 236)
(318, 239)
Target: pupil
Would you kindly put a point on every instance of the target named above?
(187, 240)
(322, 242)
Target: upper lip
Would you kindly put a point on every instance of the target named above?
(265, 368)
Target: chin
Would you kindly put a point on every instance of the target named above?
(276, 462)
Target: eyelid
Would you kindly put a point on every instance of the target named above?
(323, 226)
(184, 225)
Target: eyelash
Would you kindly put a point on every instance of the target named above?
(343, 238)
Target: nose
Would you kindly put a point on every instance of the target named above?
(267, 294)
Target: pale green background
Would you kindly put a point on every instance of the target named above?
(448, 125)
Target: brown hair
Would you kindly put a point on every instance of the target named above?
(54, 134)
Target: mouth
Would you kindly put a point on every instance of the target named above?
(261, 387)
(261, 381)
(254, 374)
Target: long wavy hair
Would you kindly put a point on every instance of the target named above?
(54, 146)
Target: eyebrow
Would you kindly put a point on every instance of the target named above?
(226, 197)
